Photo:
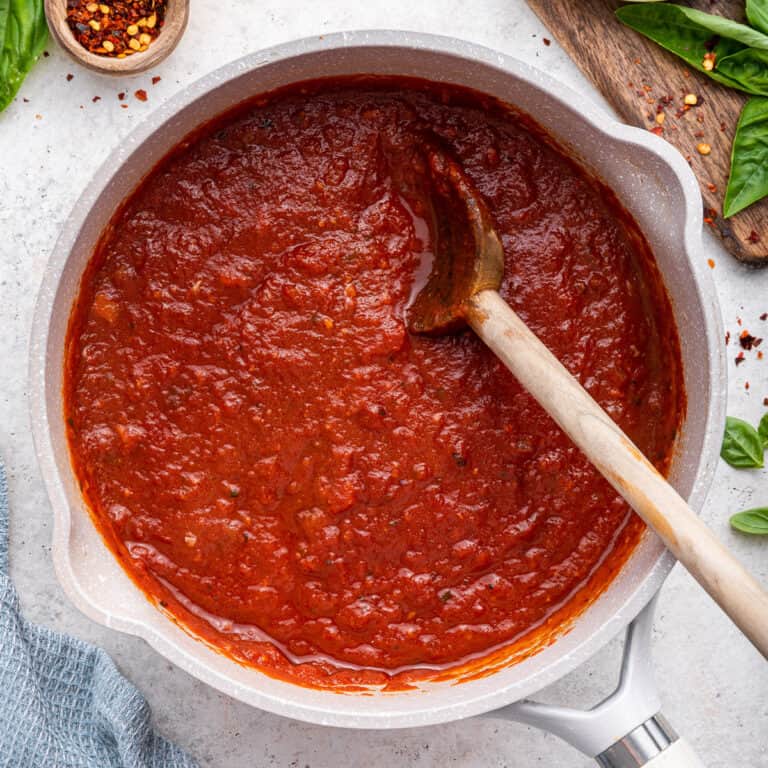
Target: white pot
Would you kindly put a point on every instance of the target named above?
(653, 182)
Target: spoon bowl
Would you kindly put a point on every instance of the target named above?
(176, 16)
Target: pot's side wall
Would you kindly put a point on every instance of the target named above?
(646, 175)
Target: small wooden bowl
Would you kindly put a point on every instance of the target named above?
(176, 16)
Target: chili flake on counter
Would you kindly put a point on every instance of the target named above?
(119, 28)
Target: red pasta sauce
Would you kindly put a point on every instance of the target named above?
(286, 471)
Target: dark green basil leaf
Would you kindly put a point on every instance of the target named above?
(748, 67)
(671, 27)
(23, 33)
(762, 430)
(751, 521)
(742, 446)
(748, 181)
(757, 14)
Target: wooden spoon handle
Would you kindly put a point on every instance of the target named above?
(623, 465)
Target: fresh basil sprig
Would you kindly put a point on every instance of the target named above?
(736, 55)
(754, 521)
(672, 27)
(23, 33)
(742, 445)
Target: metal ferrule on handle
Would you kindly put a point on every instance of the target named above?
(639, 746)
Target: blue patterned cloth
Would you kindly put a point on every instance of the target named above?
(63, 704)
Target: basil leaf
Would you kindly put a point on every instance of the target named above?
(762, 430)
(671, 28)
(748, 181)
(719, 25)
(757, 14)
(753, 521)
(748, 67)
(23, 34)
(742, 446)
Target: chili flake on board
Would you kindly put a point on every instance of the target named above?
(118, 28)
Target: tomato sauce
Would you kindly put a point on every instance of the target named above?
(284, 469)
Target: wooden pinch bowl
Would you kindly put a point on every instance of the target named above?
(176, 16)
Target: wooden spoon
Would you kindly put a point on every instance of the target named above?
(176, 16)
(463, 289)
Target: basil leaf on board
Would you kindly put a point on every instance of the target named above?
(23, 34)
(762, 430)
(757, 14)
(742, 446)
(748, 67)
(748, 181)
(729, 28)
(753, 521)
(671, 28)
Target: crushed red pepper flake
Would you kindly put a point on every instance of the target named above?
(118, 28)
(765, 402)
(156, 79)
(727, 337)
(760, 354)
(70, 77)
(121, 95)
(711, 187)
(753, 237)
(546, 41)
(711, 263)
(141, 94)
(746, 385)
(748, 341)
(95, 99)
(740, 358)
(764, 316)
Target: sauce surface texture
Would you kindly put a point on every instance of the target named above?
(288, 472)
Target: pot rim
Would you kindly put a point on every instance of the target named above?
(293, 704)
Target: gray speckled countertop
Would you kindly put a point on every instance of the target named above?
(714, 685)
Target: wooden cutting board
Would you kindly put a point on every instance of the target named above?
(641, 80)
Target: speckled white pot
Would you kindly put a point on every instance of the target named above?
(649, 176)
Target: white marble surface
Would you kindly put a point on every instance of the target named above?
(714, 685)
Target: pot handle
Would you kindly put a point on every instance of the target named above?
(625, 730)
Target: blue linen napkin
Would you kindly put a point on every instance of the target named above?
(63, 704)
